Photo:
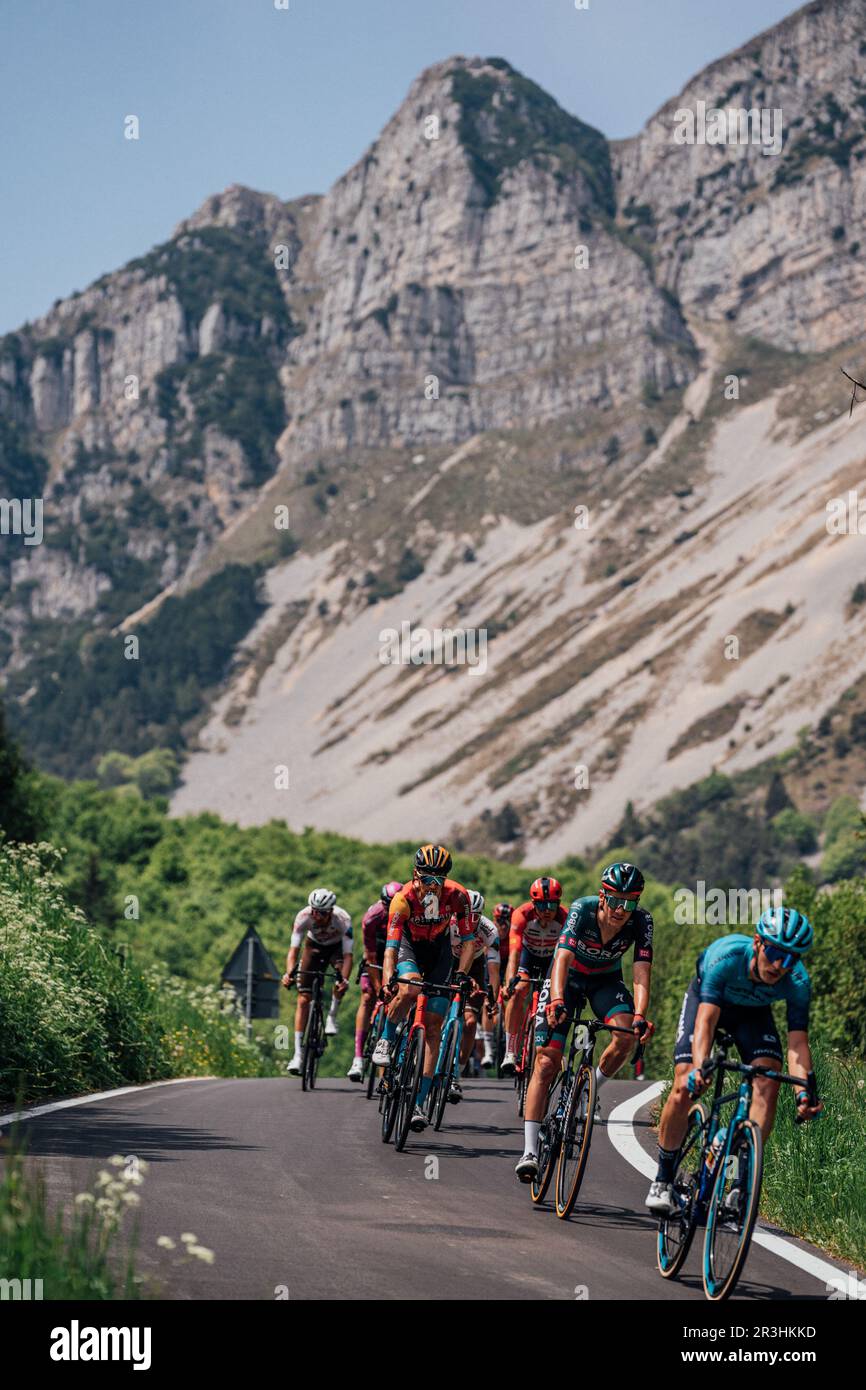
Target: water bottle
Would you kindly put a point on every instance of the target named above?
(716, 1148)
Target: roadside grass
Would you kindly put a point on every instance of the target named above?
(813, 1174)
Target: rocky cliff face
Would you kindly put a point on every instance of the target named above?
(495, 317)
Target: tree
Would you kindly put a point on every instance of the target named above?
(21, 811)
(777, 797)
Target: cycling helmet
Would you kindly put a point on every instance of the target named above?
(389, 889)
(433, 859)
(502, 910)
(546, 890)
(322, 900)
(787, 928)
(623, 878)
(476, 901)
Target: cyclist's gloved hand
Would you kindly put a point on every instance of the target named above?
(555, 1012)
(289, 978)
(809, 1107)
(511, 986)
(643, 1028)
(389, 988)
(697, 1082)
(463, 982)
(340, 987)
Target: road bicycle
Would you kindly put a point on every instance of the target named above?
(526, 1043)
(401, 1078)
(315, 1040)
(717, 1182)
(566, 1131)
(447, 1062)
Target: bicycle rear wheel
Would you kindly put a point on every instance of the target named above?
(375, 1033)
(410, 1082)
(576, 1139)
(730, 1224)
(676, 1231)
(549, 1138)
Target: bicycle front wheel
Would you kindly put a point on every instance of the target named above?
(527, 1061)
(676, 1231)
(410, 1083)
(576, 1139)
(312, 1040)
(733, 1211)
(443, 1081)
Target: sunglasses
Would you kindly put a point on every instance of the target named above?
(620, 904)
(432, 878)
(776, 955)
(546, 907)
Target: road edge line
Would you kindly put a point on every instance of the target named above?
(94, 1096)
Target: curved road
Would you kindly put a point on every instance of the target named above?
(297, 1193)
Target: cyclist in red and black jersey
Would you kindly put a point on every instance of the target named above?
(418, 949)
(535, 929)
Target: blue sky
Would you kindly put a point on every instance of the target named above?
(236, 91)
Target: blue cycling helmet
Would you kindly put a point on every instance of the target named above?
(786, 928)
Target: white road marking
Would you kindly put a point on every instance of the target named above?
(621, 1134)
(96, 1095)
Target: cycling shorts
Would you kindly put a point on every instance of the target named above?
(606, 995)
(432, 960)
(753, 1030)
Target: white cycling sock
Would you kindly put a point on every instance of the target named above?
(299, 1040)
(530, 1129)
(335, 1004)
(600, 1078)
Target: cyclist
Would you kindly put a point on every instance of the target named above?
(737, 980)
(328, 932)
(484, 974)
(374, 928)
(535, 930)
(588, 965)
(502, 920)
(419, 949)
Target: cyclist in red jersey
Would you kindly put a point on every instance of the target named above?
(419, 949)
(535, 929)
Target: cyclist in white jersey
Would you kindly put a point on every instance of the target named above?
(484, 973)
(328, 932)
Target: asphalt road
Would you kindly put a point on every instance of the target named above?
(296, 1192)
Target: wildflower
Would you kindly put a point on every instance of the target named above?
(189, 1239)
(206, 1256)
(166, 1242)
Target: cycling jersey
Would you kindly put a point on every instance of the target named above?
(723, 978)
(592, 956)
(527, 930)
(374, 925)
(338, 927)
(425, 913)
(486, 939)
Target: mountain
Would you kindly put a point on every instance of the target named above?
(505, 375)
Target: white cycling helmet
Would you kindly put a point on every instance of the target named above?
(322, 900)
(476, 901)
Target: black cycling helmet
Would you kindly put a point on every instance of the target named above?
(623, 878)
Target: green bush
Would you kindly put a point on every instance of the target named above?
(74, 1017)
(796, 830)
(845, 858)
(844, 814)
